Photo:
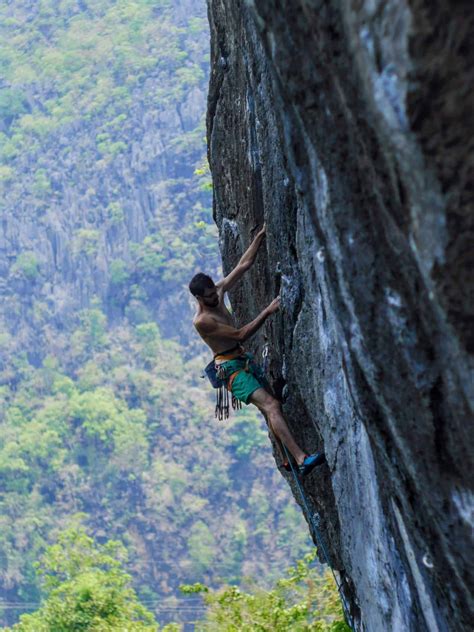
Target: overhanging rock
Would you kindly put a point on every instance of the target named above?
(347, 127)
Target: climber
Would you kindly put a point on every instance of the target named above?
(234, 367)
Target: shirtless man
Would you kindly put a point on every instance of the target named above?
(243, 378)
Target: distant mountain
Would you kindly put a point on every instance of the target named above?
(105, 215)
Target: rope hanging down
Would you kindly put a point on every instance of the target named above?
(313, 519)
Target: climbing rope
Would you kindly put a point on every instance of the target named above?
(314, 523)
(313, 519)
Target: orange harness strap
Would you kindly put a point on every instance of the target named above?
(222, 357)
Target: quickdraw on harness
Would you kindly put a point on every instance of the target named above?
(224, 392)
(265, 357)
(221, 379)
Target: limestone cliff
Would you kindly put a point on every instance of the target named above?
(347, 128)
(96, 166)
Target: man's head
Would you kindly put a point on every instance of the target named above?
(204, 289)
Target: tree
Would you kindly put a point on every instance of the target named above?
(306, 601)
(86, 589)
(26, 265)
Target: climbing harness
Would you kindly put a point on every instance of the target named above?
(314, 522)
(222, 396)
(222, 382)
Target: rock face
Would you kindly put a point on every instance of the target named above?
(347, 128)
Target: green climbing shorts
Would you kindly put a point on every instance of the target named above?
(247, 381)
(244, 384)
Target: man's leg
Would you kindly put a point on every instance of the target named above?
(271, 409)
(278, 443)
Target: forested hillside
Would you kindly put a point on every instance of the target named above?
(105, 215)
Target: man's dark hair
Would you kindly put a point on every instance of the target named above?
(199, 283)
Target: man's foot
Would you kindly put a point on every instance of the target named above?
(310, 462)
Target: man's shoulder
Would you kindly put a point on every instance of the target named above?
(203, 321)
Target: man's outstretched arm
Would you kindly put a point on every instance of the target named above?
(244, 264)
(210, 327)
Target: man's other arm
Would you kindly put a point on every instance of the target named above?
(246, 261)
(211, 328)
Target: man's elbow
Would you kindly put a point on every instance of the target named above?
(244, 266)
(241, 335)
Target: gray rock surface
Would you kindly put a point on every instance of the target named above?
(347, 127)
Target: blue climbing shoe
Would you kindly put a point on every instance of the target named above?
(310, 462)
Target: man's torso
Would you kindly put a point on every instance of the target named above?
(222, 315)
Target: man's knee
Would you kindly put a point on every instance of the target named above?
(270, 405)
